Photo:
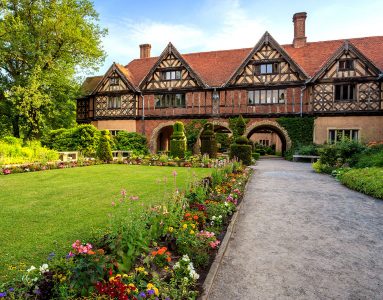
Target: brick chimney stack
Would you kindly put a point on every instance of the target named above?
(299, 20)
(145, 50)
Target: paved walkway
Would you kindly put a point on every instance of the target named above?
(302, 235)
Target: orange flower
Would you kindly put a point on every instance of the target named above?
(154, 253)
(91, 252)
(195, 217)
(168, 259)
(162, 250)
(101, 251)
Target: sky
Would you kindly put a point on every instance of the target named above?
(207, 25)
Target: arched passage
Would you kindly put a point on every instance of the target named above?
(160, 138)
(270, 127)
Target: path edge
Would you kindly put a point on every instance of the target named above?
(209, 280)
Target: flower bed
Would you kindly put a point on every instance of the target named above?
(196, 161)
(158, 254)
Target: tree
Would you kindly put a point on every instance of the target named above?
(104, 150)
(42, 43)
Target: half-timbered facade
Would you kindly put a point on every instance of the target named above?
(339, 82)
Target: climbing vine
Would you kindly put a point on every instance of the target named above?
(192, 130)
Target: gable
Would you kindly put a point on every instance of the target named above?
(334, 67)
(267, 52)
(115, 80)
(171, 71)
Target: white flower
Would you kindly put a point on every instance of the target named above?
(176, 265)
(44, 268)
(31, 269)
(194, 275)
(220, 217)
(213, 217)
(186, 258)
(226, 203)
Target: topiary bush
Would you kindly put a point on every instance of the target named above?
(131, 141)
(241, 150)
(178, 141)
(208, 141)
(256, 155)
(104, 150)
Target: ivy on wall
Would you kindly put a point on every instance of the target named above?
(300, 130)
(192, 130)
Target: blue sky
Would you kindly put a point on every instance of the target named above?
(205, 25)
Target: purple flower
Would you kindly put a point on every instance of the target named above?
(37, 292)
(142, 295)
(11, 290)
(150, 292)
(69, 255)
(3, 294)
(51, 255)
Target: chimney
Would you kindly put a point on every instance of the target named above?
(145, 50)
(299, 20)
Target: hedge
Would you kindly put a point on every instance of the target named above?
(178, 141)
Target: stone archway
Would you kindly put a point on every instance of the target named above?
(155, 134)
(274, 127)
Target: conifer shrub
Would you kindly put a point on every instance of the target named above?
(208, 141)
(104, 150)
(241, 150)
(178, 141)
(131, 141)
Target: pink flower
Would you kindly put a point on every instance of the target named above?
(123, 192)
(113, 203)
(214, 244)
(174, 173)
(134, 198)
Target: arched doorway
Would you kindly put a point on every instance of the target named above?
(270, 134)
(160, 138)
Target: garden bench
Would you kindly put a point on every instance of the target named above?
(313, 158)
(68, 156)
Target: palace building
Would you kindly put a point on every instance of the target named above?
(339, 82)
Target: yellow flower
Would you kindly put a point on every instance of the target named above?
(192, 225)
(125, 276)
(149, 286)
(185, 226)
(170, 229)
(111, 279)
(140, 269)
(156, 292)
(191, 231)
(118, 275)
(131, 285)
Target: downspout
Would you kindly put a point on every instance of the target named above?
(143, 114)
(301, 100)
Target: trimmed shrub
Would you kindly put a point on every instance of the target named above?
(208, 141)
(104, 151)
(368, 181)
(131, 141)
(241, 150)
(178, 141)
(224, 140)
(256, 155)
(371, 157)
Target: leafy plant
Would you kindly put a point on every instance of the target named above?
(178, 141)
(131, 141)
(104, 151)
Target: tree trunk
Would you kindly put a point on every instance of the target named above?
(15, 126)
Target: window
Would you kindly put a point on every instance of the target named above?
(170, 100)
(337, 135)
(346, 64)
(114, 132)
(114, 81)
(171, 75)
(264, 142)
(266, 96)
(114, 102)
(268, 68)
(344, 92)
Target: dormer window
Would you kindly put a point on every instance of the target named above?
(346, 64)
(269, 68)
(114, 81)
(171, 75)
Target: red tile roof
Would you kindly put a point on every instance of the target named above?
(216, 67)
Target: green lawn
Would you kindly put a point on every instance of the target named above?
(46, 211)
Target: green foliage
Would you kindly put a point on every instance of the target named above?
(242, 140)
(224, 140)
(256, 155)
(192, 130)
(300, 131)
(104, 150)
(308, 150)
(12, 151)
(131, 141)
(242, 152)
(208, 141)
(178, 141)
(41, 45)
(368, 181)
(238, 126)
(336, 155)
(83, 138)
(370, 157)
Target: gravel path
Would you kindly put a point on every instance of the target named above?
(302, 235)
